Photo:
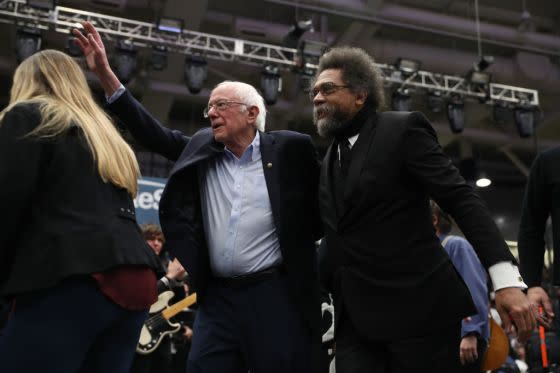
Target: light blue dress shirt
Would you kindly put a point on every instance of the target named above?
(236, 212)
(237, 215)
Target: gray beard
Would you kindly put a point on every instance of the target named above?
(332, 123)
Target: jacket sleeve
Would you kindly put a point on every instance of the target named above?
(467, 264)
(535, 212)
(21, 160)
(146, 129)
(427, 164)
(313, 174)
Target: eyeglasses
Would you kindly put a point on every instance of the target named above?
(326, 89)
(220, 106)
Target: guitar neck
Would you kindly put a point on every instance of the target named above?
(177, 307)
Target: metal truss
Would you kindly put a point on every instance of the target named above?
(144, 34)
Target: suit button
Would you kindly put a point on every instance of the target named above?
(122, 209)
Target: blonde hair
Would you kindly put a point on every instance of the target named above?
(55, 81)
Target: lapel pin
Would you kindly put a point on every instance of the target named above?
(269, 165)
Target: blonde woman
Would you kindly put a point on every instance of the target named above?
(73, 262)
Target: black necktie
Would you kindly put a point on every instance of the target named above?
(345, 156)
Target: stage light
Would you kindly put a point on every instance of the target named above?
(291, 40)
(305, 78)
(456, 114)
(159, 57)
(483, 63)
(196, 72)
(401, 100)
(28, 42)
(125, 60)
(42, 4)
(270, 84)
(525, 120)
(170, 24)
(407, 66)
(309, 52)
(483, 181)
(435, 101)
(501, 112)
(479, 78)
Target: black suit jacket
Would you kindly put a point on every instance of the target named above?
(291, 180)
(58, 217)
(381, 257)
(542, 199)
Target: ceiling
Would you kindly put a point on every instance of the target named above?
(442, 34)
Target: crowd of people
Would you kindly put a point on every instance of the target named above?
(241, 214)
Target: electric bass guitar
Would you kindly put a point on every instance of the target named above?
(158, 325)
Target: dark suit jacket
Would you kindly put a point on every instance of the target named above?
(542, 199)
(292, 183)
(58, 217)
(381, 257)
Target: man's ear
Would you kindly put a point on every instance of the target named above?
(361, 97)
(252, 113)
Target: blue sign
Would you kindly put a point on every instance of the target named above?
(147, 200)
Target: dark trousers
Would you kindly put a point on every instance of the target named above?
(255, 327)
(434, 353)
(69, 328)
(159, 361)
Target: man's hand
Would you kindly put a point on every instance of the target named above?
(94, 50)
(516, 309)
(175, 270)
(467, 350)
(539, 297)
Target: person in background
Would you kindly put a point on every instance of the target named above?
(475, 329)
(172, 275)
(72, 260)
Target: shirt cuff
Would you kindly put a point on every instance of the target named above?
(506, 275)
(118, 93)
(165, 280)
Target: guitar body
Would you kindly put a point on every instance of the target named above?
(156, 326)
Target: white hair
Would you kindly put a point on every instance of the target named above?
(247, 94)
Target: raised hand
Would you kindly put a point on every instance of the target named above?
(92, 46)
(94, 50)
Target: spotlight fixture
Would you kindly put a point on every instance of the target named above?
(310, 51)
(170, 24)
(196, 72)
(291, 40)
(305, 77)
(125, 60)
(159, 57)
(407, 66)
(270, 84)
(401, 100)
(483, 181)
(435, 101)
(501, 112)
(28, 42)
(42, 4)
(479, 78)
(483, 63)
(524, 116)
(456, 114)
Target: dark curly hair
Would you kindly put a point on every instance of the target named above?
(358, 71)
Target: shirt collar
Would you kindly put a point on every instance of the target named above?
(252, 153)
